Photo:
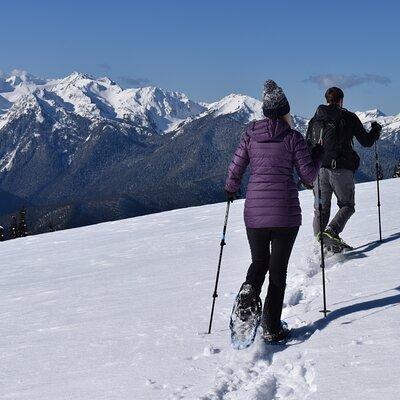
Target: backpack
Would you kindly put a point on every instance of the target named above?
(329, 133)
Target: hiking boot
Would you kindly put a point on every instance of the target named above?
(249, 303)
(278, 336)
(332, 239)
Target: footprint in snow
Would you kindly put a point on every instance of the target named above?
(155, 385)
(361, 342)
(210, 350)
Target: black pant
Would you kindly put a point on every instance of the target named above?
(270, 251)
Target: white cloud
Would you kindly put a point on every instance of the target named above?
(346, 81)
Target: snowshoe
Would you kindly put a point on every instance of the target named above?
(281, 336)
(333, 249)
(333, 242)
(245, 318)
(346, 246)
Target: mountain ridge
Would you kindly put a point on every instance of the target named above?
(79, 144)
(149, 106)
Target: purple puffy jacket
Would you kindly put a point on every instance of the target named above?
(273, 150)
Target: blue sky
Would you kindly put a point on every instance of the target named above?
(208, 49)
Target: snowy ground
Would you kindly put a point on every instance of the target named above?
(119, 310)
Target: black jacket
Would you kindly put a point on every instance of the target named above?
(351, 127)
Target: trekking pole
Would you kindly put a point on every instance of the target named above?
(377, 169)
(222, 244)
(321, 239)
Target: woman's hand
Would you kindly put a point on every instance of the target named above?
(230, 196)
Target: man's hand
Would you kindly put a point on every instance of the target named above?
(376, 129)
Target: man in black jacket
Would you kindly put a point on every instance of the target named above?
(335, 128)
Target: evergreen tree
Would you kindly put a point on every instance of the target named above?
(22, 229)
(1, 233)
(396, 172)
(13, 228)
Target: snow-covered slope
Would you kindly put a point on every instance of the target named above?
(119, 311)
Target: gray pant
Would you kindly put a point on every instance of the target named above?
(340, 182)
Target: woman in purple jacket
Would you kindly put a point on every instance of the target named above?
(272, 210)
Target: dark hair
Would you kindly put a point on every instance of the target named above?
(334, 95)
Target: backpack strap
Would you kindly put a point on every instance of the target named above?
(339, 125)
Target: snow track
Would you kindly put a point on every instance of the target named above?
(260, 373)
(287, 372)
(263, 378)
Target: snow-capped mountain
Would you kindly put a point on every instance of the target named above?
(243, 108)
(151, 109)
(18, 77)
(390, 124)
(101, 152)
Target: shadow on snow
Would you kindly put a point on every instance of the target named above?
(301, 334)
(359, 252)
